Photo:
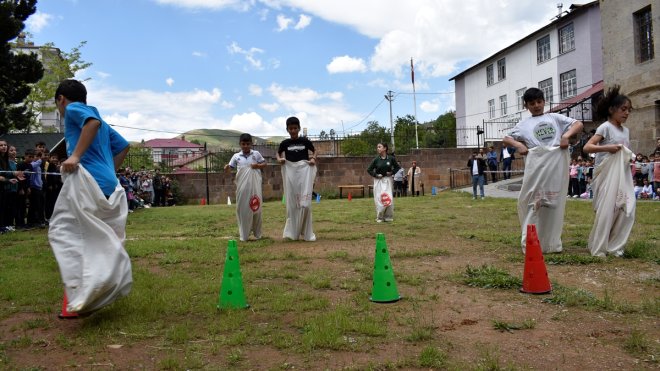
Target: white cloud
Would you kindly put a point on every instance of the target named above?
(198, 54)
(303, 22)
(38, 21)
(346, 64)
(428, 106)
(255, 90)
(283, 22)
(438, 34)
(270, 107)
(249, 55)
(208, 4)
(103, 75)
(253, 123)
(169, 81)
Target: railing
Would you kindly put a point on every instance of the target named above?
(462, 177)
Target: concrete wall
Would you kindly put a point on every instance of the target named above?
(332, 171)
(639, 81)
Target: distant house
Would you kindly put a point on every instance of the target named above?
(564, 59)
(173, 150)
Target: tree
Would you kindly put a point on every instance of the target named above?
(17, 70)
(442, 132)
(365, 142)
(332, 134)
(59, 66)
(404, 134)
(323, 135)
(139, 156)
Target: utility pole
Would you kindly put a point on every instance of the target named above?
(390, 98)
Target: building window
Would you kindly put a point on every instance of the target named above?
(543, 49)
(491, 109)
(519, 99)
(568, 82)
(490, 77)
(643, 35)
(566, 39)
(501, 69)
(546, 88)
(503, 104)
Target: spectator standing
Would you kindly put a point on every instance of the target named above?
(414, 179)
(491, 160)
(477, 166)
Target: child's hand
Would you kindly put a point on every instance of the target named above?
(522, 149)
(563, 143)
(13, 180)
(281, 160)
(614, 148)
(70, 164)
(312, 161)
(227, 168)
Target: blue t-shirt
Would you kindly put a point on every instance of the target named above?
(99, 157)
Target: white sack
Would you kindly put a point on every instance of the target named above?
(298, 180)
(87, 233)
(248, 202)
(542, 197)
(614, 204)
(383, 198)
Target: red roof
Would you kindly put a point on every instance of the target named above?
(186, 160)
(572, 101)
(183, 169)
(171, 143)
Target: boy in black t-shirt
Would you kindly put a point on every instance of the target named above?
(295, 148)
(298, 180)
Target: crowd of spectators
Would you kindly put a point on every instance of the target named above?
(30, 185)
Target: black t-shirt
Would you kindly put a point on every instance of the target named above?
(296, 149)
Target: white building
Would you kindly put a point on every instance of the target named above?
(564, 59)
(49, 118)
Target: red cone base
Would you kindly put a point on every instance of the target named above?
(535, 275)
(66, 314)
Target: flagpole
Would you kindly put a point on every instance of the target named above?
(412, 76)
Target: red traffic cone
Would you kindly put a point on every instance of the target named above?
(65, 314)
(350, 196)
(535, 276)
(203, 202)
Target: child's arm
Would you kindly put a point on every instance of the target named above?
(509, 141)
(575, 129)
(280, 158)
(259, 165)
(592, 145)
(119, 157)
(87, 136)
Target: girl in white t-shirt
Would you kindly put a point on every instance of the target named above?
(614, 197)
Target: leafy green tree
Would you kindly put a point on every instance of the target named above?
(139, 156)
(442, 132)
(58, 66)
(365, 142)
(17, 70)
(404, 134)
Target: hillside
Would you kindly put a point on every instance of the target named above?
(221, 139)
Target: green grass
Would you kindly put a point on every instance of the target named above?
(309, 302)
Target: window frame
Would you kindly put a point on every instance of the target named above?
(547, 90)
(491, 108)
(643, 35)
(543, 49)
(501, 69)
(490, 75)
(520, 102)
(503, 105)
(568, 84)
(566, 40)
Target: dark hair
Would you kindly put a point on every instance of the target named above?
(613, 99)
(4, 157)
(291, 121)
(532, 94)
(387, 148)
(72, 90)
(29, 152)
(245, 137)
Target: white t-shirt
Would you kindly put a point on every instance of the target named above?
(240, 159)
(544, 130)
(611, 134)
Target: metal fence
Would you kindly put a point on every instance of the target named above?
(462, 177)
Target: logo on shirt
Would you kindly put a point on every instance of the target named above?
(544, 132)
(296, 147)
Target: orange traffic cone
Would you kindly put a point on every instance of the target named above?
(350, 196)
(203, 201)
(65, 314)
(535, 276)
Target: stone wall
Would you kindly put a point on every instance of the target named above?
(332, 171)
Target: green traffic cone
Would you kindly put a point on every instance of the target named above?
(384, 287)
(231, 289)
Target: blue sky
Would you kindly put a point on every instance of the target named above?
(162, 67)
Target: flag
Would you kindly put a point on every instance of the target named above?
(412, 71)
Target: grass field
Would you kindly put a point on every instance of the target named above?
(457, 263)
